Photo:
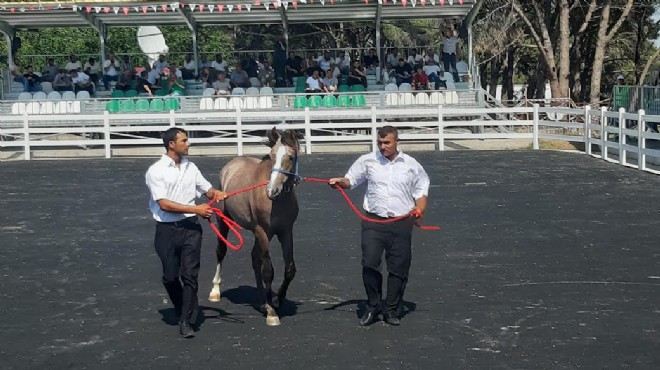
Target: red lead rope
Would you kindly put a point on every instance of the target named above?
(235, 228)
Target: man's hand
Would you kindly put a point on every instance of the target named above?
(339, 182)
(216, 195)
(417, 212)
(203, 210)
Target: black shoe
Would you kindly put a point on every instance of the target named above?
(368, 318)
(186, 330)
(391, 319)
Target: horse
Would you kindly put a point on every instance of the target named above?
(266, 212)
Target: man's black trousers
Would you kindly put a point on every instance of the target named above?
(394, 239)
(178, 245)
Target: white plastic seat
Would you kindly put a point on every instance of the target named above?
(54, 95)
(39, 95)
(18, 108)
(405, 87)
(265, 102)
(407, 99)
(60, 107)
(422, 98)
(46, 107)
(221, 104)
(73, 106)
(17, 87)
(391, 87)
(266, 91)
(462, 67)
(252, 91)
(251, 102)
(206, 104)
(46, 87)
(25, 96)
(68, 95)
(33, 108)
(254, 82)
(83, 95)
(392, 98)
(209, 91)
(238, 91)
(450, 83)
(437, 98)
(235, 102)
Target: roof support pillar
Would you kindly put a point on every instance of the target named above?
(379, 10)
(192, 25)
(10, 34)
(285, 27)
(469, 20)
(103, 38)
(100, 28)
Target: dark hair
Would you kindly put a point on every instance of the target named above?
(170, 135)
(386, 130)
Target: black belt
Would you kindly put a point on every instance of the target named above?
(373, 215)
(185, 221)
(450, 53)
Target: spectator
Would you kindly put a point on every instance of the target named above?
(239, 78)
(62, 81)
(144, 86)
(172, 69)
(293, 67)
(403, 72)
(32, 81)
(356, 75)
(125, 80)
(81, 82)
(433, 71)
(449, 41)
(279, 61)
(126, 65)
(188, 70)
(329, 83)
(621, 94)
(431, 55)
(414, 59)
(204, 62)
(153, 76)
(160, 64)
(266, 74)
(313, 83)
(17, 72)
(93, 70)
(420, 80)
(371, 62)
(175, 83)
(313, 66)
(222, 86)
(393, 57)
(50, 71)
(218, 64)
(388, 75)
(325, 62)
(73, 64)
(205, 77)
(344, 63)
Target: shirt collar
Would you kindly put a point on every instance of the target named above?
(170, 162)
(399, 156)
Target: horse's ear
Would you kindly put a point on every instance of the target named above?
(272, 136)
(298, 134)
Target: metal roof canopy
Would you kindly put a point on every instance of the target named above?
(55, 15)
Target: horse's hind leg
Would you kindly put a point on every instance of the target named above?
(286, 240)
(263, 272)
(221, 252)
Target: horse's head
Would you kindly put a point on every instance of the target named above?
(284, 155)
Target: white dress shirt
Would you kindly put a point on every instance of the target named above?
(449, 44)
(313, 83)
(181, 184)
(392, 186)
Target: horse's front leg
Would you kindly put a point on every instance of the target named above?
(286, 240)
(221, 252)
(264, 273)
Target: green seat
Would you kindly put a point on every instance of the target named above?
(142, 105)
(357, 88)
(344, 101)
(300, 102)
(112, 106)
(315, 101)
(133, 84)
(117, 94)
(160, 92)
(172, 104)
(157, 105)
(127, 105)
(301, 81)
(131, 93)
(343, 88)
(329, 101)
(359, 101)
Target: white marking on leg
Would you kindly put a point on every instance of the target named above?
(217, 279)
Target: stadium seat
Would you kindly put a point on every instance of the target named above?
(206, 104)
(39, 95)
(130, 93)
(329, 101)
(142, 105)
(392, 98)
(157, 105)
(299, 102)
(405, 87)
(112, 106)
(391, 87)
(437, 98)
(266, 91)
(254, 82)
(238, 91)
(46, 87)
(25, 96)
(209, 91)
(406, 98)
(68, 95)
(160, 92)
(83, 95)
(359, 100)
(54, 95)
(172, 104)
(220, 104)
(462, 67)
(117, 94)
(18, 108)
(315, 101)
(343, 88)
(251, 102)
(126, 106)
(33, 108)
(357, 88)
(235, 102)
(422, 98)
(46, 107)
(60, 107)
(252, 91)
(344, 101)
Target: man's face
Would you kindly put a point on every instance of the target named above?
(180, 145)
(387, 145)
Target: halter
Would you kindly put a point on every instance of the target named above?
(291, 176)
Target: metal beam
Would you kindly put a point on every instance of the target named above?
(379, 11)
(192, 25)
(285, 26)
(10, 34)
(100, 28)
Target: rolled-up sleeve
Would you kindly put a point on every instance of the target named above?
(421, 184)
(156, 184)
(357, 174)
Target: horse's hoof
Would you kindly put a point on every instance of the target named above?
(276, 302)
(214, 297)
(272, 321)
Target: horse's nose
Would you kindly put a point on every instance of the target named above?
(272, 193)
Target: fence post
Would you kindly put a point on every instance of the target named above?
(308, 132)
(587, 129)
(641, 140)
(603, 133)
(172, 118)
(106, 134)
(239, 130)
(374, 128)
(441, 129)
(26, 137)
(535, 127)
(622, 137)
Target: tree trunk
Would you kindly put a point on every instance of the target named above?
(507, 83)
(564, 49)
(647, 66)
(495, 68)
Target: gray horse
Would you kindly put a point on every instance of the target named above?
(264, 211)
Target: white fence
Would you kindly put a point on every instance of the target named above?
(598, 130)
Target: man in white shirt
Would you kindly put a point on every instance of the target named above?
(73, 64)
(174, 183)
(218, 64)
(160, 64)
(313, 82)
(449, 41)
(397, 185)
(81, 82)
(188, 70)
(111, 67)
(433, 71)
